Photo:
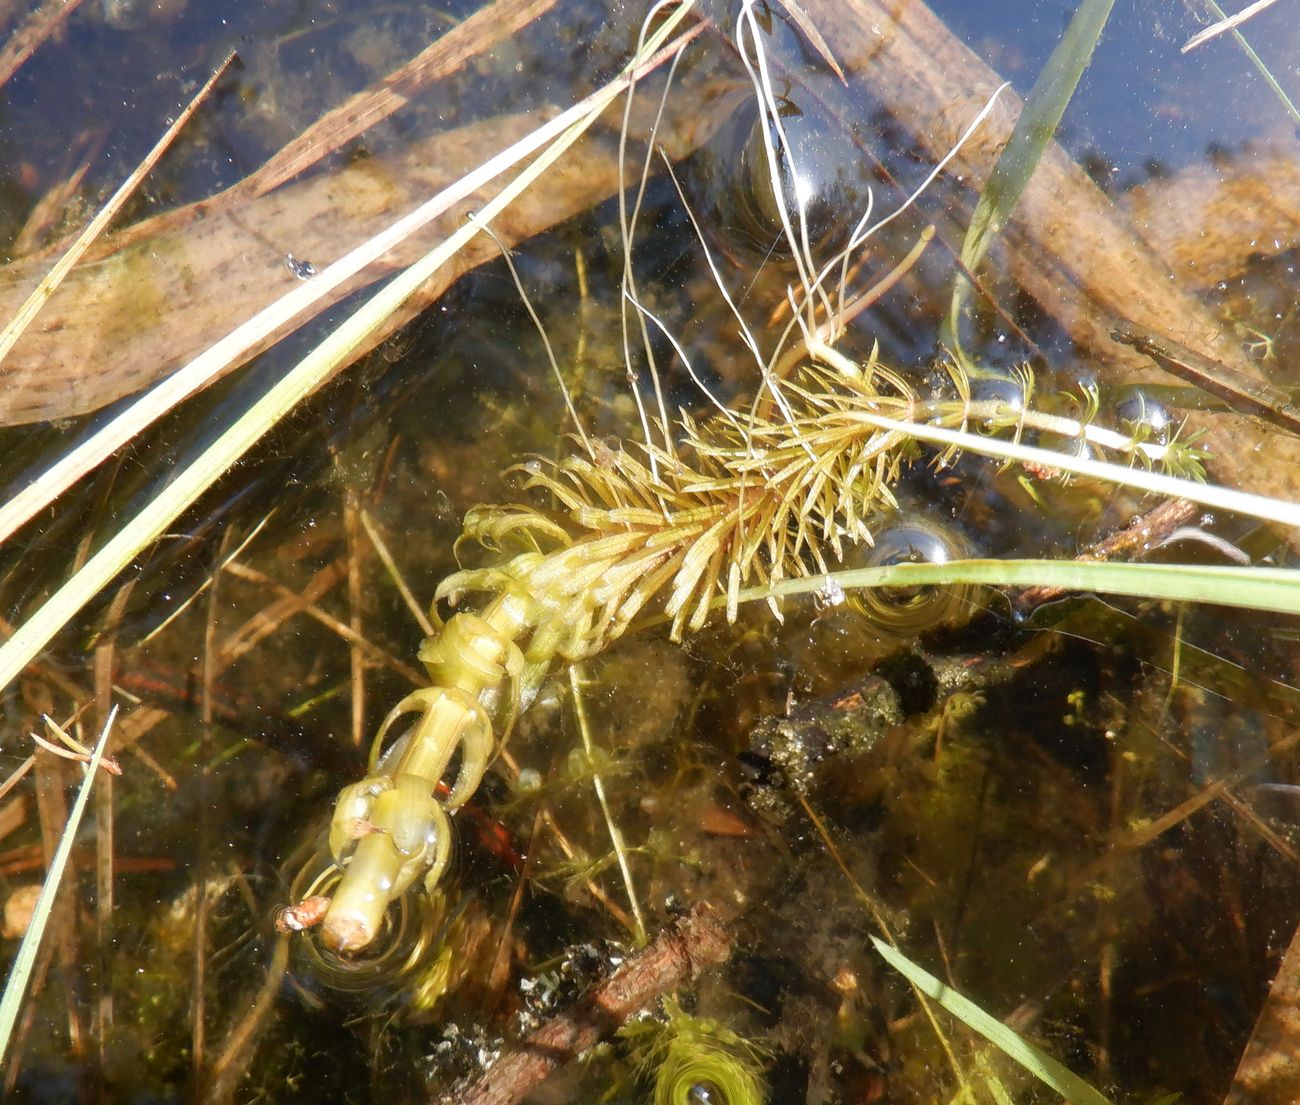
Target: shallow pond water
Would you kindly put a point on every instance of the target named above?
(1079, 813)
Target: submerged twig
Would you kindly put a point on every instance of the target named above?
(615, 833)
(62, 948)
(1144, 533)
(546, 818)
(203, 843)
(1247, 394)
(346, 632)
(683, 950)
(105, 831)
(356, 655)
(238, 1049)
(394, 573)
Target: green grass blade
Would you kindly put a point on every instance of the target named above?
(1257, 62)
(16, 986)
(1068, 1084)
(1033, 132)
(1273, 589)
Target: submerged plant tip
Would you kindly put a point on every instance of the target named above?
(744, 501)
(696, 514)
(697, 1061)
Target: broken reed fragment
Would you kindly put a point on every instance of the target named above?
(72, 749)
(743, 500)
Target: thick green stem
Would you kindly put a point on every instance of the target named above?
(401, 828)
(357, 908)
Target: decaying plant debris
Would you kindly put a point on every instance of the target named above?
(143, 309)
(166, 267)
(1035, 805)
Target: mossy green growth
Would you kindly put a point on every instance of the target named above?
(696, 1061)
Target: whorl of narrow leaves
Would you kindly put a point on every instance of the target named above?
(746, 500)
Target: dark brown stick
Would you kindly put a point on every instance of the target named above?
(1144, 533)
(693, 944)
(1247, 394)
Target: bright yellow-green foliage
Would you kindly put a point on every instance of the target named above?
(683, 1053)
(745, 499)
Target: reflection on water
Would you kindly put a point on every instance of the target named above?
(1078, 816)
